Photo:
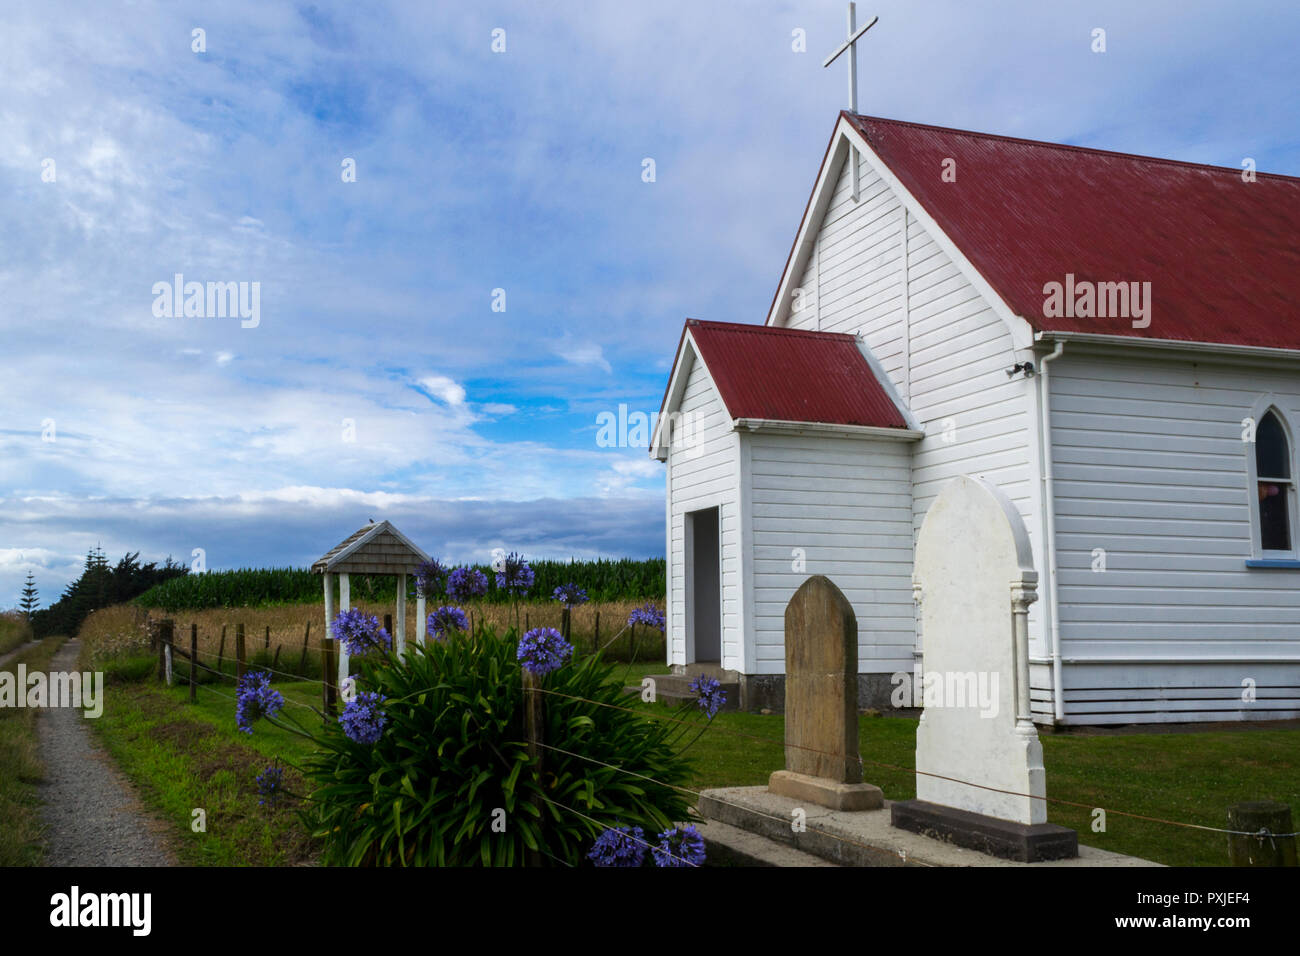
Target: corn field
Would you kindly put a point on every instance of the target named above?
(604, 581)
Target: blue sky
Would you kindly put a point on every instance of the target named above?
(475, 171)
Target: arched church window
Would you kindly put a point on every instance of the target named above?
(1276, 484)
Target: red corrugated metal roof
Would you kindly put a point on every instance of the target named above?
(792, 375)
(1222, 255)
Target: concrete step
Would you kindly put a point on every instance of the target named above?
(726, 845)
(716, 671)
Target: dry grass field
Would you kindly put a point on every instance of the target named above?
(14, 631)
(124, 630)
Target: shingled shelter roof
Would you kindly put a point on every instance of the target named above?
(375, 549)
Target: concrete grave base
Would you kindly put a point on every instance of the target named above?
(860, 838)
(1022, 842)
(826, 792)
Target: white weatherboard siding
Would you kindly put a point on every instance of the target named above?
(705, 474)
(947, 354)
(853, 282)
(847, 504)
(1151, 467)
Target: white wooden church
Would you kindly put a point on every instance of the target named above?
(1113, 340)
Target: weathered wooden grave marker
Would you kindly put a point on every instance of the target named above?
(822, 763)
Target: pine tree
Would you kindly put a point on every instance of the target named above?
(29, 603)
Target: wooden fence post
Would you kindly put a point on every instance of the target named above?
(275, 661)
(239, 651)
(221, 651)
(194, 658)
(158, 642)
(388, 626)
(267, 645)
(1256, 817)
(166, 634)
(302, 661)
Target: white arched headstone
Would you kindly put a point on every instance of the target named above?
(974, 579)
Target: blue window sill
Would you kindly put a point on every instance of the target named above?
(1272, 563)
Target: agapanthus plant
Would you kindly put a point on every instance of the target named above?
(680, 846)
(362, 719)
(254, 698)
(466, 584)
(647, 614)
(542, 650)
(619, 846)
(270, 785)
(514, 576)
(445, 620)
(709, 694)
(430, 577)
(570, 595)
(359, 632)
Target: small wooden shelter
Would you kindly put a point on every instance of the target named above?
(375, 549)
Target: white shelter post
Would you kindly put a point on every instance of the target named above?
(421, 618)
(329, 604)
(345, 604)
(399, 619)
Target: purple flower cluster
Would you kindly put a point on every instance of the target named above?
(270, 783)
(619, 846)
(362, 719)
(445, 620)
(570, 595)
(680, 846)
(430, 576)
(711, 696)
(647, 614)
(359, 632)
(254, 698)
(542, 650)
(514, 576)
(466, 584)
(626, 846)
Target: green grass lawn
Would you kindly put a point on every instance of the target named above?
(1190, 778)
(191, 755)
(187, 756)
(21, 769)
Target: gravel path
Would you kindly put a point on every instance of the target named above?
(91, 813)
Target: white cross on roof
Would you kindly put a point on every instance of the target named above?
(849, 44)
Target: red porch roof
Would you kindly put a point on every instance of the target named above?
(791, 375)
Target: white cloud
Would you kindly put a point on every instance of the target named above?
(499, 408)
(634, 473)
(581, 353)
(444, 388)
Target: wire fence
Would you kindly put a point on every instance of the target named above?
(650, 712)
(911, 770)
